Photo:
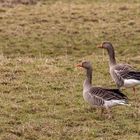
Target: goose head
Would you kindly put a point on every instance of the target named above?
(86, 65)
(105, 45)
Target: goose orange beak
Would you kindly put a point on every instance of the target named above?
(79, 65)
(100, 46)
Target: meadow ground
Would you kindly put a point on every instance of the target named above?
(40, 88)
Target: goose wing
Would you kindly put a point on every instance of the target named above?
(130, 75)
(107, 94)
(119, 71)
(126, 72)
(123, 67)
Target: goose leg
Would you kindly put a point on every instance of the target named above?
(102, 111)
(134, 90)
(109, 113)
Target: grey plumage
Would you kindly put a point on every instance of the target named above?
(97, 96)
(129, 74)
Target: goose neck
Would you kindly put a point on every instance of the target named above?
(111, 53)
(88, 80)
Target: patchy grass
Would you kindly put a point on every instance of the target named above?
(41, 90)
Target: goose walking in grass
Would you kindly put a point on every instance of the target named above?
(98, 96)
(122, 74)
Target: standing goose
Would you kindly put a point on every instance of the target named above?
(100, 97)
(122, 74)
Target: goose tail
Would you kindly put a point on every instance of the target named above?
(124, 102)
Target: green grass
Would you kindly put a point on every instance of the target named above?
(40, 88)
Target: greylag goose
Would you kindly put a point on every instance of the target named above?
(122, 74)
(98, 96)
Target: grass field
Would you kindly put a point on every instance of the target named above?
(40, 87)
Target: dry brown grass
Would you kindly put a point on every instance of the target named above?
(12, 3)
(40, 88)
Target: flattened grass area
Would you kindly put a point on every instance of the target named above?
(40, 88)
